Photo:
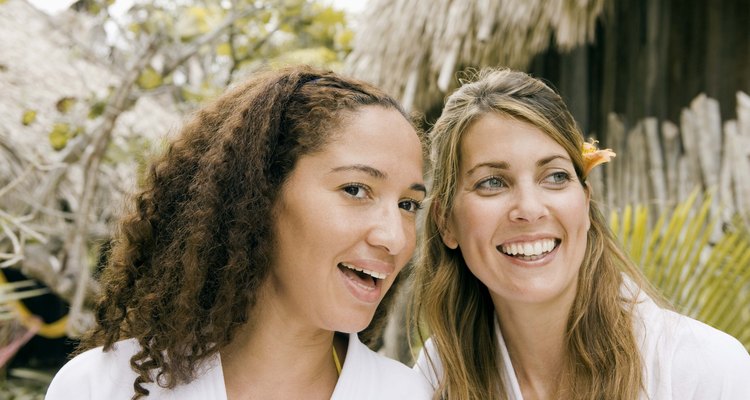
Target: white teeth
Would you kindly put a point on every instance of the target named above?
(374, 274)
(530, 248)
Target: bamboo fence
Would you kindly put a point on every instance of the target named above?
(661, 163)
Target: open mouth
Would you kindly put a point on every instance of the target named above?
(529, 251)
(366, 279)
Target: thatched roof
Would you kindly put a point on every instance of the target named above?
(414, 48)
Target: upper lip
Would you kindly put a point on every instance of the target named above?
(375, 268)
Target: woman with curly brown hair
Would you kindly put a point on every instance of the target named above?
(525, 291)
(273, 225)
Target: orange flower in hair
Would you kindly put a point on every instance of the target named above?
(592, 156)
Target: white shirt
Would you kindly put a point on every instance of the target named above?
(96, 374)
(683, 359)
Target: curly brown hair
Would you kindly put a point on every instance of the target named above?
(188, 260)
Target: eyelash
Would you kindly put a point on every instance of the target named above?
(565, 177)
(355, 185)
(481, 185)
(416, 203)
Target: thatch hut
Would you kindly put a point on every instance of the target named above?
(645, 77)
(629, 71)
(421, 45)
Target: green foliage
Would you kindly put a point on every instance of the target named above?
(319, 56)
(267, 32)
(705, 277)
(149, 79)
(197, 20)
(97, 109)
(61, 133)
(65, 104)
(59, 136)
(28, 118)
(93, 7)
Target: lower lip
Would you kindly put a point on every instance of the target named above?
(364, 294)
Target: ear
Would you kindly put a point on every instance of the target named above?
(442, 225)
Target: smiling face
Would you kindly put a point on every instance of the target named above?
(520, 215)
(345, 222)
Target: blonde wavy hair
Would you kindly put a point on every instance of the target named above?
(456, 308)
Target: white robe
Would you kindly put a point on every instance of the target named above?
(96, 374)
(683, 359)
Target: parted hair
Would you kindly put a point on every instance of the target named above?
(191, 253)
(456, 308)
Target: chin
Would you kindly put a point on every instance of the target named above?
(354, 322)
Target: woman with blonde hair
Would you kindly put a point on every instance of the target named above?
(264, 240)
(522, 287)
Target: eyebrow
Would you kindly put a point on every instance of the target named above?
(377, 174)
(491, 164)
(505, 165)
(551, 158)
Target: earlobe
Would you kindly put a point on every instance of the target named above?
(448, 239)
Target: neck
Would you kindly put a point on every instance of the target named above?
(274, 357)
(535, 338)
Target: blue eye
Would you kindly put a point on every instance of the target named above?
(491, 183)
(410, 205)
(559, 177)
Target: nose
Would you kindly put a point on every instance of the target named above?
(528, 204)
(388, 230)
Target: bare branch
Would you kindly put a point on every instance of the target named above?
(209, 37)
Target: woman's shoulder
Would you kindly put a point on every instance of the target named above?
(428, 363)
(95, 373)
(696, 359)
(683, 336)
(369, 375)
(702, 344)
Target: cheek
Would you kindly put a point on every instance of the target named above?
(411, 244)
(476, 217)
(410, 235)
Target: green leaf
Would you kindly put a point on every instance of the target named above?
(149, 79)
(343, 39)
(97, 109)
(59, 136)
(224, 49)
(65, 104)
(28, 118)
(707, 281)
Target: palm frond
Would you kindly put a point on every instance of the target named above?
(704, 276)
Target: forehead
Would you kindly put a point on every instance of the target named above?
(494, 136)
(374, 135)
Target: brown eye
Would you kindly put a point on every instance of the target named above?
(356, 190)
(410, 205)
